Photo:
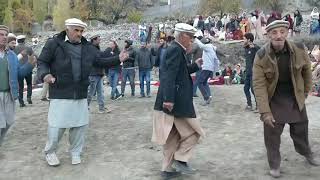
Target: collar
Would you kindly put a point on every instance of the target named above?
(185, 49)
(67, 40)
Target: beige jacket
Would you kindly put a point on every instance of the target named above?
(266, 74)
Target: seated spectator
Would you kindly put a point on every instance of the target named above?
(238, 75)
(227, 75)
(217, 80)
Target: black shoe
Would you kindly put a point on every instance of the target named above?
(169, 175)
(142, 96)
(132, 94)
(119, 96)
(29, 101)
(148, 96)
(183, 167)
(195, 95)
(22, 105)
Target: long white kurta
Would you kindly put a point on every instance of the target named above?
(7, 109)
(68, 113)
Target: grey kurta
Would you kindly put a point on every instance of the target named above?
(68, 113)
(7, 109)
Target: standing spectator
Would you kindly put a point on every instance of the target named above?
(65, 63)
(160, 54)
(12, 41)
(145, 63)
(250, 52)
(10, 70)
(25, 52)
(297, 22)
(128, 69)
(289, 19)
(95, 78)
(281, 82)
(174, 123)
(314, 24)
(200, 25)
(114, 71)
(210, 65)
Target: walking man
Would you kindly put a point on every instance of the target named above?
(24, 58)
(65, 63)
(281, 82)
(250, 52)
(10, 71)
(174, 123)
(210, 65)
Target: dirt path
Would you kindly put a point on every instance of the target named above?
(118, 145)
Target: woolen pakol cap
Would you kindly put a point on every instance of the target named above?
(276, 24)
(183, 27)
(5, 28)
(75, 22)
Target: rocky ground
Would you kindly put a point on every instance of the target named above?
(118, 144)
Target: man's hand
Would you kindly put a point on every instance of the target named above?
(199, 62)
(168, 105)
(268, 119)
(123, 56)
(49, 79)
(32, 60)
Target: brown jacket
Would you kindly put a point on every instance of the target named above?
(266, 74)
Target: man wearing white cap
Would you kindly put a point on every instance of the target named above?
(281, 82)
(23, 52)
(175, 125)
(10, 71)
(65, 63)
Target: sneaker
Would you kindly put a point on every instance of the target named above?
(101, 111)
(249, 108)
(75, 160)
(312, 161)
(52, 159)
(183, 167)
(107, 110)
(275, 173)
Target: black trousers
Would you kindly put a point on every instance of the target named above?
(272, 139)
(28, 79)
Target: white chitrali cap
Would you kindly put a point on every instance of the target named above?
(12, 35)
(21, 37)
(183, 27)
(75, 22)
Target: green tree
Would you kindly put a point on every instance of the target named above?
(8, 18)
(61, 12)
(23, 19)
(209, 7)
(110, 11)
(3, 7)
(40, 10)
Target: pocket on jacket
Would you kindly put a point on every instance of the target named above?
(269, 73)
